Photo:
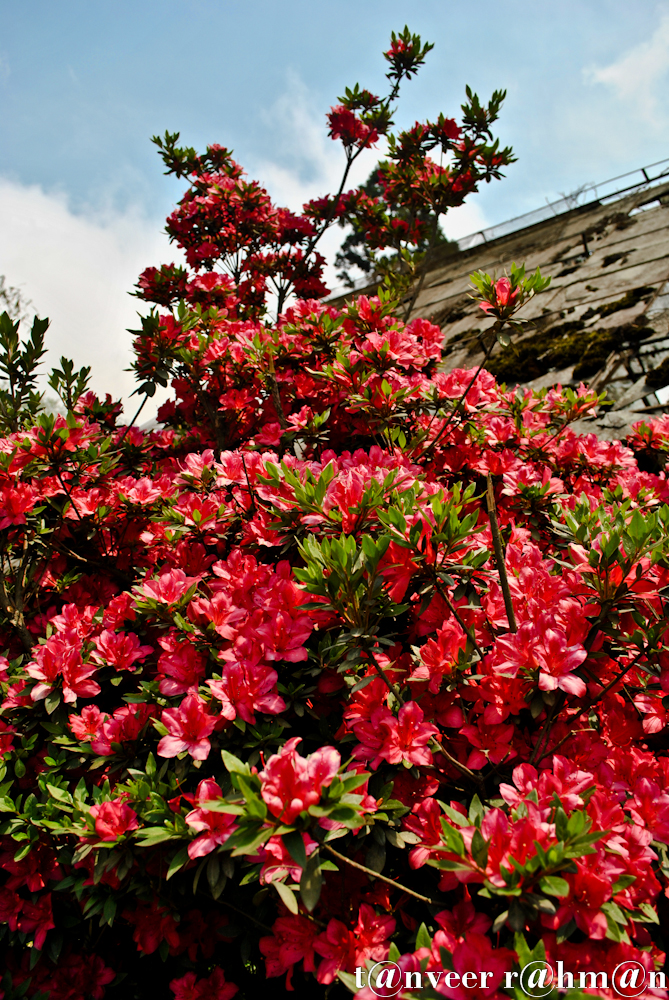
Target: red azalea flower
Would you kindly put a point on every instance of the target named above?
(188, 727)
(113, 819)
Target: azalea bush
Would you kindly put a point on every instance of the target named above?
(348, 660)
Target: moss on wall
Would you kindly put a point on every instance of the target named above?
(572, 343)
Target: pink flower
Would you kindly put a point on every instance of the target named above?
(440, 658)
(15, 502)
(425, 821)
(491, 743)
(119, 649)
(476, 954)
(589, 890)
(181, 663)
(557, 660)
(278, 862)
(503, 298)
(404, 738)
(189, 987)
(349, 128)
(101, 731)
(650, 808)
(343, 949)
(153, 925)
(291, 783)
(37, 917)
(113, 819)
(10, 908)
(215, 827)
(292, 941)
(143, 491)
(169, 588)
(246, 689)
(60, 656)
(188, 727)
(7, 735)
(337, 946)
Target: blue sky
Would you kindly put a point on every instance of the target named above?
(83, 85)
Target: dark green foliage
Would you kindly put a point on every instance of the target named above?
(355, 251)
(19, 398)
(68, 383)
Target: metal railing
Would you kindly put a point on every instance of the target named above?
(587, 195)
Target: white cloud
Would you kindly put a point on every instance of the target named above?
(309, 162)
(464, 221)
(636, 77)
(78, 269)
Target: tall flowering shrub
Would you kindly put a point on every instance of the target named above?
(350, 660)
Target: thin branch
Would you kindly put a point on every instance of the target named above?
(15, 617)
(615, 680)
(587, 708)
(386, 680)
(69, 495)
(382, 878)
(454, 611)
(248, 916)
(500, 556)
(434, 743)
(139, 410)
(112, 570)
(248, 483)
(460, 403)
(423, 268)
(547, 726)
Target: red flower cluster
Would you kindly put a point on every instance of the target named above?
(349, 661)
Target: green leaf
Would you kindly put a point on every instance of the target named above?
(23, 852)
(287, 896)
(454, 815)
(178, 861)
(479, 849)
(576, 823)
(348, 979)
(476, 811)
(375, 858)
(453, 839)
(552, 885)
(294, 843)
(151, 835)
(622, 882)
(233, 764)
(109, 910)
(216, 877)
(649, 912)
(423, 939)
(59, 793)
(311, 882)
(52, 701)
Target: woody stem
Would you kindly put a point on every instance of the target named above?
(373, 874)
(500, 557)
